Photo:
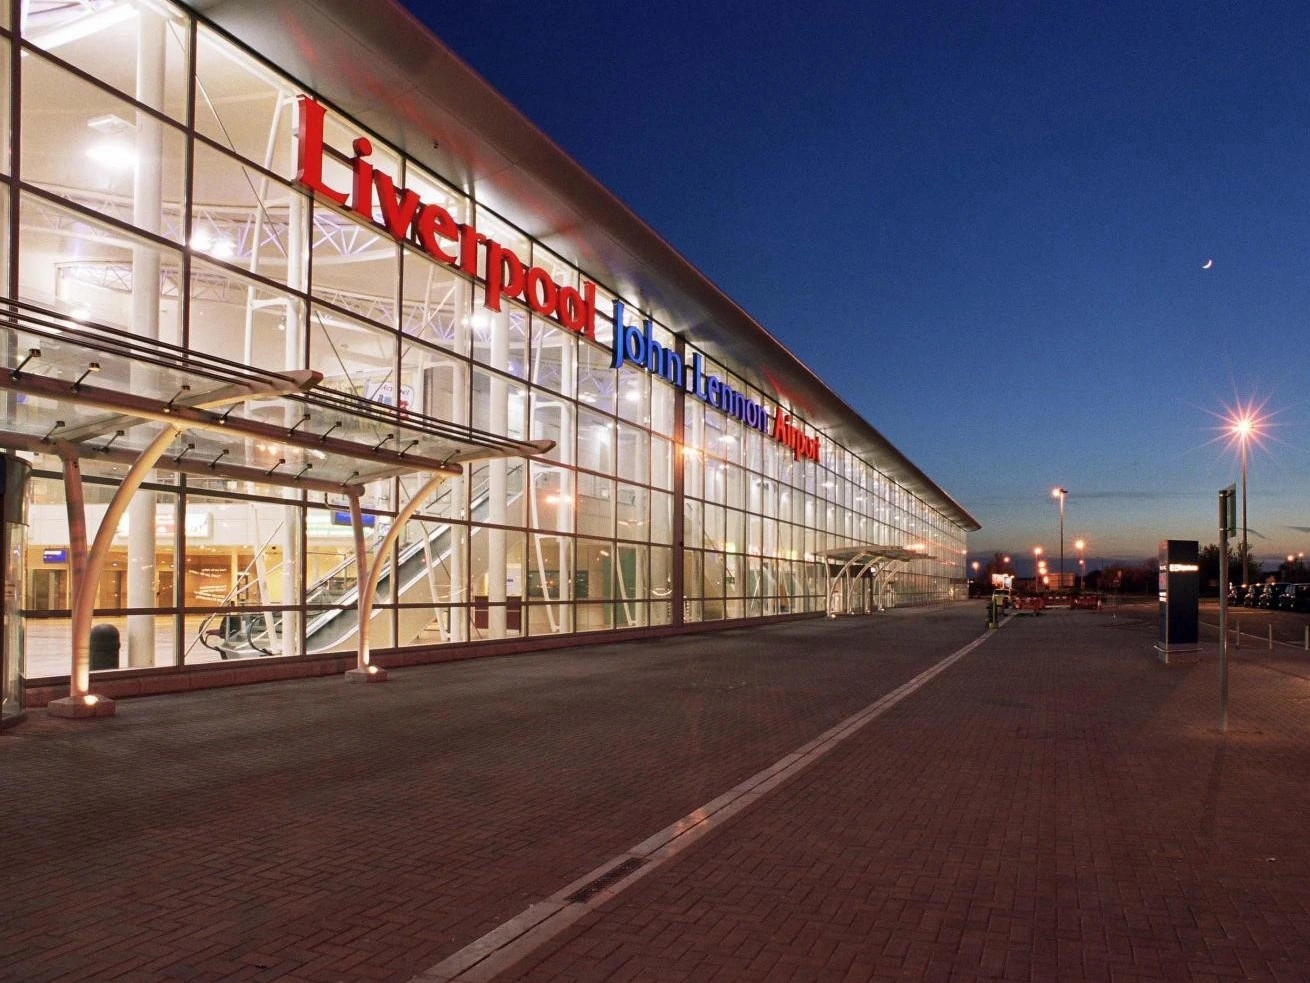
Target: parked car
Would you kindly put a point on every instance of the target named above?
(1252, 596)
(1269, 599)
(1295, 598)
(1235, 594)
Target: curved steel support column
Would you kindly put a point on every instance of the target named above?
(856, 579)
(891, 566)
(368, 587)
(833, 583)
(80, 702)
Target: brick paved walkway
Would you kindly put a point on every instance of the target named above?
(315, 831)
(1054, 806)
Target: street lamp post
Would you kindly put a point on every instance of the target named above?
(1037, 569)
(1243, 428)
(1080, 545)
(1060, 493)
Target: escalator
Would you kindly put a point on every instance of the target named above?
(234, 635)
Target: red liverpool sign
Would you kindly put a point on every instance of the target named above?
(434, 230)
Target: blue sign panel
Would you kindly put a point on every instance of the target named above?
(340, 518)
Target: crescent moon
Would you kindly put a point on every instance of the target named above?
(1207, 264)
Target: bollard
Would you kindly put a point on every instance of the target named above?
(1271, 638)
(1307, 638)
(1238, 628)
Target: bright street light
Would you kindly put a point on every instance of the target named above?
(1245, 424)
(1080, 545)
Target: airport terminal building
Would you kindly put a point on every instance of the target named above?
(308, 330)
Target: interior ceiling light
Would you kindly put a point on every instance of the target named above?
(109, 124)
(114, 154)
(81, 27)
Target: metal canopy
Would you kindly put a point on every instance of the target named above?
(854, 562)
(103, 392)
(83, 391)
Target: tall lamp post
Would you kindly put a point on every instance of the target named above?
(1060, 493)
(1037, 569)
(1243, 428)
(1081, 545)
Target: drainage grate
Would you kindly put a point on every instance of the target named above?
(616, 873)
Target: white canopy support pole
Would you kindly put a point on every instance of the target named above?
(363, 672)
(892, 566)
(834, 583)
(858, 577)
(75, 504)
(80, 702)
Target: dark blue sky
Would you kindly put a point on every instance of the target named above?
(982, 224)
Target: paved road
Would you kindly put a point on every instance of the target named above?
(1054, 805)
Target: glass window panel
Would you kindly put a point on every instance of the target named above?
(242, 106)
(595, 513)
(693, 473)
(733, 485)
(595, 441)
(552, 419)
(661, 461)
(245, 218)
(715, 526)
(85, 144)
(552, 498)
(497, 577)
(436, 304)
(560, 271)
(355, 267)
(596, 380)
(438, 382)
(549, 584)
(4, 238)
(5, 128)
(661, 517)
(633, 453)
(500, 338)
(121, 44)
(715, 481)
(634, 394)
(245, 320)
(661, 573)
(735, 531)
(662, 398)
(633, 512)
(498, 230)
(356, 358)
(553, 355)
(595, 570)
(693, 529)
(77, 266)
(497, 491)
(500, 404)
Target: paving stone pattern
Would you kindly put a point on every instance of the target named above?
(318, 832)
(1057, 806)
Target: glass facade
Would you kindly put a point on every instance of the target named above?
(150, 179)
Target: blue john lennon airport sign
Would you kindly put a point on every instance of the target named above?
(638, 346)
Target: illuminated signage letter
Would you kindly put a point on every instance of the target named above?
(309, 144)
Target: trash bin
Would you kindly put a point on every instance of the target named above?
(104, 647)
